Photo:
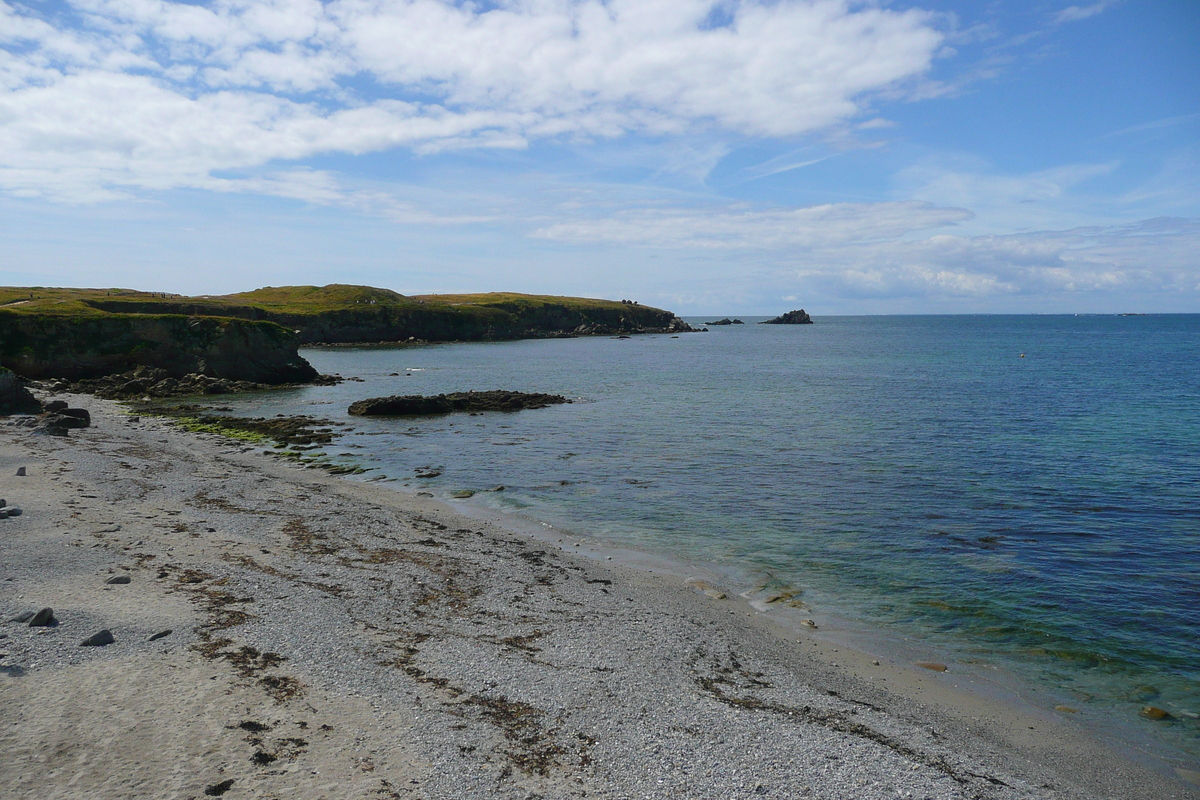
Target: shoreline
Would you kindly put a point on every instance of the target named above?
(871, 651)
(448, 656)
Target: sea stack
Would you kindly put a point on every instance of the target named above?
(799, 317)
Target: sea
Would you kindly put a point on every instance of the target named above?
(1015, 492)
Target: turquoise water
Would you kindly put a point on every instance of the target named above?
(1039, 511)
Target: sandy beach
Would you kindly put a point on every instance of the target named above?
(341, 639)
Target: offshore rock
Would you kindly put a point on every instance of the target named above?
(421, 405)
(799, 317)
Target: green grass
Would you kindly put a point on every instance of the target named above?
(300, 300)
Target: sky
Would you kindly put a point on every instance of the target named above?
(731, 156)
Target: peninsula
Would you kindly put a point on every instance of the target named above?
(253, 336)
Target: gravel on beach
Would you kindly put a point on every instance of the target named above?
(277, 632)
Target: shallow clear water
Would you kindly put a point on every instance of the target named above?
(1043, 512)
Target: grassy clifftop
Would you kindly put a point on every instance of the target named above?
(89, 332)
(340, 313)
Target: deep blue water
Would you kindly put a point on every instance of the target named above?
(1041, 511)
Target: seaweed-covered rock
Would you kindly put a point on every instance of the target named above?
(413, 405)
(799, 317)
(15, 398)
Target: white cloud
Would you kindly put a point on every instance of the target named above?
(1076, 13)
(147, 94)
(774, 229)
(1152, 256)
(887, 250)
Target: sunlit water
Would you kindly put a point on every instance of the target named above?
(1040, 511)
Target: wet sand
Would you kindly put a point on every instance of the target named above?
(340, 639)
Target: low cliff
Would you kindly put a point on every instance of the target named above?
(253, 336)
(45, 345)
(341, 314)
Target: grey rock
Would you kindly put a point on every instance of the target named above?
(98, 639)
(20, 471)
(13, 511)
(797, 317)
(119, 579)
(14, 397)
(55, 406)
(76, 417)
(23, 617)
(43, 618)
(160, 635)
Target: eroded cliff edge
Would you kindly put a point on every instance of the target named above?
(254, 336)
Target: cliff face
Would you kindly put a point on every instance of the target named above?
(253, 336)
(439, 318)
(61, 346)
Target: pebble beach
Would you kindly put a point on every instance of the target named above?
(277, 632)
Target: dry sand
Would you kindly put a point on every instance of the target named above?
(338, 639)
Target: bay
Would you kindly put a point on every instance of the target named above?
(1018, 489)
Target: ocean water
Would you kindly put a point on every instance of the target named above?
(1020, 490)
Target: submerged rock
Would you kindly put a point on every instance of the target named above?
(422, 405)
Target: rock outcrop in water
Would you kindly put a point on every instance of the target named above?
(799, 317)
(726, 321)
(414, 405)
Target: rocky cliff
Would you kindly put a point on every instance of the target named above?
(341, 314)
(253, 336)
(76, 346)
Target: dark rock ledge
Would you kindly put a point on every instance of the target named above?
(421, 405)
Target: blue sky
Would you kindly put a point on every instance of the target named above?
(733, 157)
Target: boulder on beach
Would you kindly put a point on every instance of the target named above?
(14, 397)
(798, 317)
(413, 405)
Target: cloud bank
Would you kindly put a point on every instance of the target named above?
(900, 249)
(108, 96)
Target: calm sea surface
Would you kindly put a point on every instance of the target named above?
(1042, 512)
